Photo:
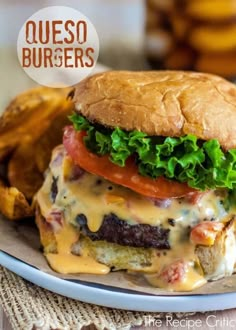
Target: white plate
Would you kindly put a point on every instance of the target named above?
(122, 299)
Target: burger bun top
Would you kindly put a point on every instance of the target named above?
(161, 103)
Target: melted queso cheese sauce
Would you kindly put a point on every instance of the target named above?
(95, 197)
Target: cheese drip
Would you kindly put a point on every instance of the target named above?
(192, 280)
(65, 262)
(95, 197)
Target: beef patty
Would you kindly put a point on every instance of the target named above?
(116, 230)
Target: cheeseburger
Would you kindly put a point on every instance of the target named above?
(145, 180)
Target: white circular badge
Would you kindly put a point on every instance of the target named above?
(58, 46)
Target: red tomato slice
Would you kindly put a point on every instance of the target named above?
(127, 176)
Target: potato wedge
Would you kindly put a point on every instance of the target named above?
(30, 128)
(49, 139)
(30, 114)
(23, 172)
(13, 204)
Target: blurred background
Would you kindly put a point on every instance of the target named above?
(135, 34)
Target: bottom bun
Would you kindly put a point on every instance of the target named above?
(113, 255)
(47, 236)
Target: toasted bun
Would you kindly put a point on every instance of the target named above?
(47, 237)
(114, 255)
(218, 260)
(164, 103)
(110, 254)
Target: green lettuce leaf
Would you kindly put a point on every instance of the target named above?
(203, 165)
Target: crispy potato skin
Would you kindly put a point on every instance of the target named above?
(30, 114)
(13, 204)
(30, 127)
(23, 172)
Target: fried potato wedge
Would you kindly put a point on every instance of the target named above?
(31, 126)
(30, 114)
(30, 160)
(23, 172)
(48, 141)
(13, 203)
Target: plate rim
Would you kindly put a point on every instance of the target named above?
(115, 299)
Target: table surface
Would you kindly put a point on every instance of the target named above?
(4, 324)
(210, 321)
